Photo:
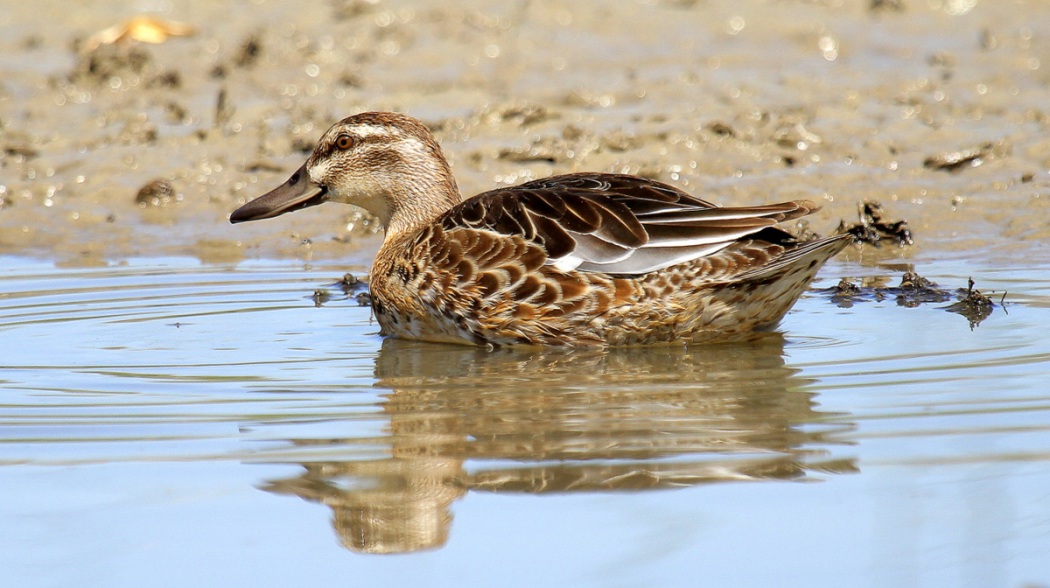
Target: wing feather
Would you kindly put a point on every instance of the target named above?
(617, 224)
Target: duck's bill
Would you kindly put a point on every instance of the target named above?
(297, 193)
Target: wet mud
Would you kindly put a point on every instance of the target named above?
(124, 137)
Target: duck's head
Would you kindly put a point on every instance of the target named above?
(387, 163)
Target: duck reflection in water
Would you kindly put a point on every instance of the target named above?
(537, 421)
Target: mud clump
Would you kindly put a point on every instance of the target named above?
(886, 6)
(19, 151)
(540, 151)
(872, 228)
(109, 61)
(121, 66)
(954, 161)
(245, 57)
(249, 51)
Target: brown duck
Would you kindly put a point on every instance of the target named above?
(584, 258)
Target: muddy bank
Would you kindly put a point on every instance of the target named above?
(935, 109)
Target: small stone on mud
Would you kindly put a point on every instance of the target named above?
(720, 128)
(157, 193)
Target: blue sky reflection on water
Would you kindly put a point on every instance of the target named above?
(888, 453)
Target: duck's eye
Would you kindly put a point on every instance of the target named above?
(344, 142)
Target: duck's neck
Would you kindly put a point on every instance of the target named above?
(422, 196)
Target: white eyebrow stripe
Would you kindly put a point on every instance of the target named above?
(371, 131)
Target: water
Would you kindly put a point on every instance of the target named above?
(169, 423)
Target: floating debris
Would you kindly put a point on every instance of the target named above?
(141, 28)
(872, 229)
(843, 293)
(320, 296)
(351, 286)
(973, 305)
(915, 290)
(912, 292)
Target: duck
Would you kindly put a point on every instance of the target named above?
(569, 260)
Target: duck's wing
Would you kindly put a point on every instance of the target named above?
(617, 224)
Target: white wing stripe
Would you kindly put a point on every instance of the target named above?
(650, 259)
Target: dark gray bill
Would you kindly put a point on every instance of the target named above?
(298, 192)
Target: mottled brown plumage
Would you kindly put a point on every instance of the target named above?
(575, 259)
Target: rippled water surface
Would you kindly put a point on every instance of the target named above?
(167, 423)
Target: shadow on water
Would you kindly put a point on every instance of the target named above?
(461, 419)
